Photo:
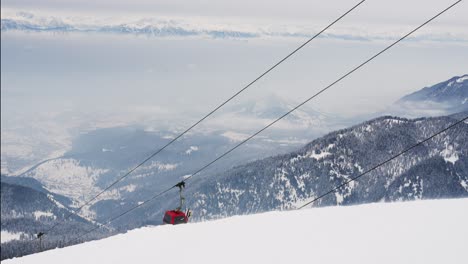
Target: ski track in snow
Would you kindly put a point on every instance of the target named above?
(412, 232)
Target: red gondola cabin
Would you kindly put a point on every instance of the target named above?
(177, 216)
(174, 217)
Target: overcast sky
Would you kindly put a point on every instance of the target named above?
(398, 10)
(51, 71)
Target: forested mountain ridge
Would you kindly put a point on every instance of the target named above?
(25, 212)
(436, 169)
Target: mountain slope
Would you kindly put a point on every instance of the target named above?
(434, 170)
(412, 232)
(35, 185)
(451, 95)
(26, 212)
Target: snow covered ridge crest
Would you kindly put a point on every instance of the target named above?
(14, 20)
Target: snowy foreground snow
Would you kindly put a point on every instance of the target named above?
(411, 232)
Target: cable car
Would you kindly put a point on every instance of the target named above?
(178, 216)
(174, 217)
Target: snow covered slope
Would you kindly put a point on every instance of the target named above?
(412, 232)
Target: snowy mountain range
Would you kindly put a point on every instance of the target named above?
(218, 28)
(439, 169)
